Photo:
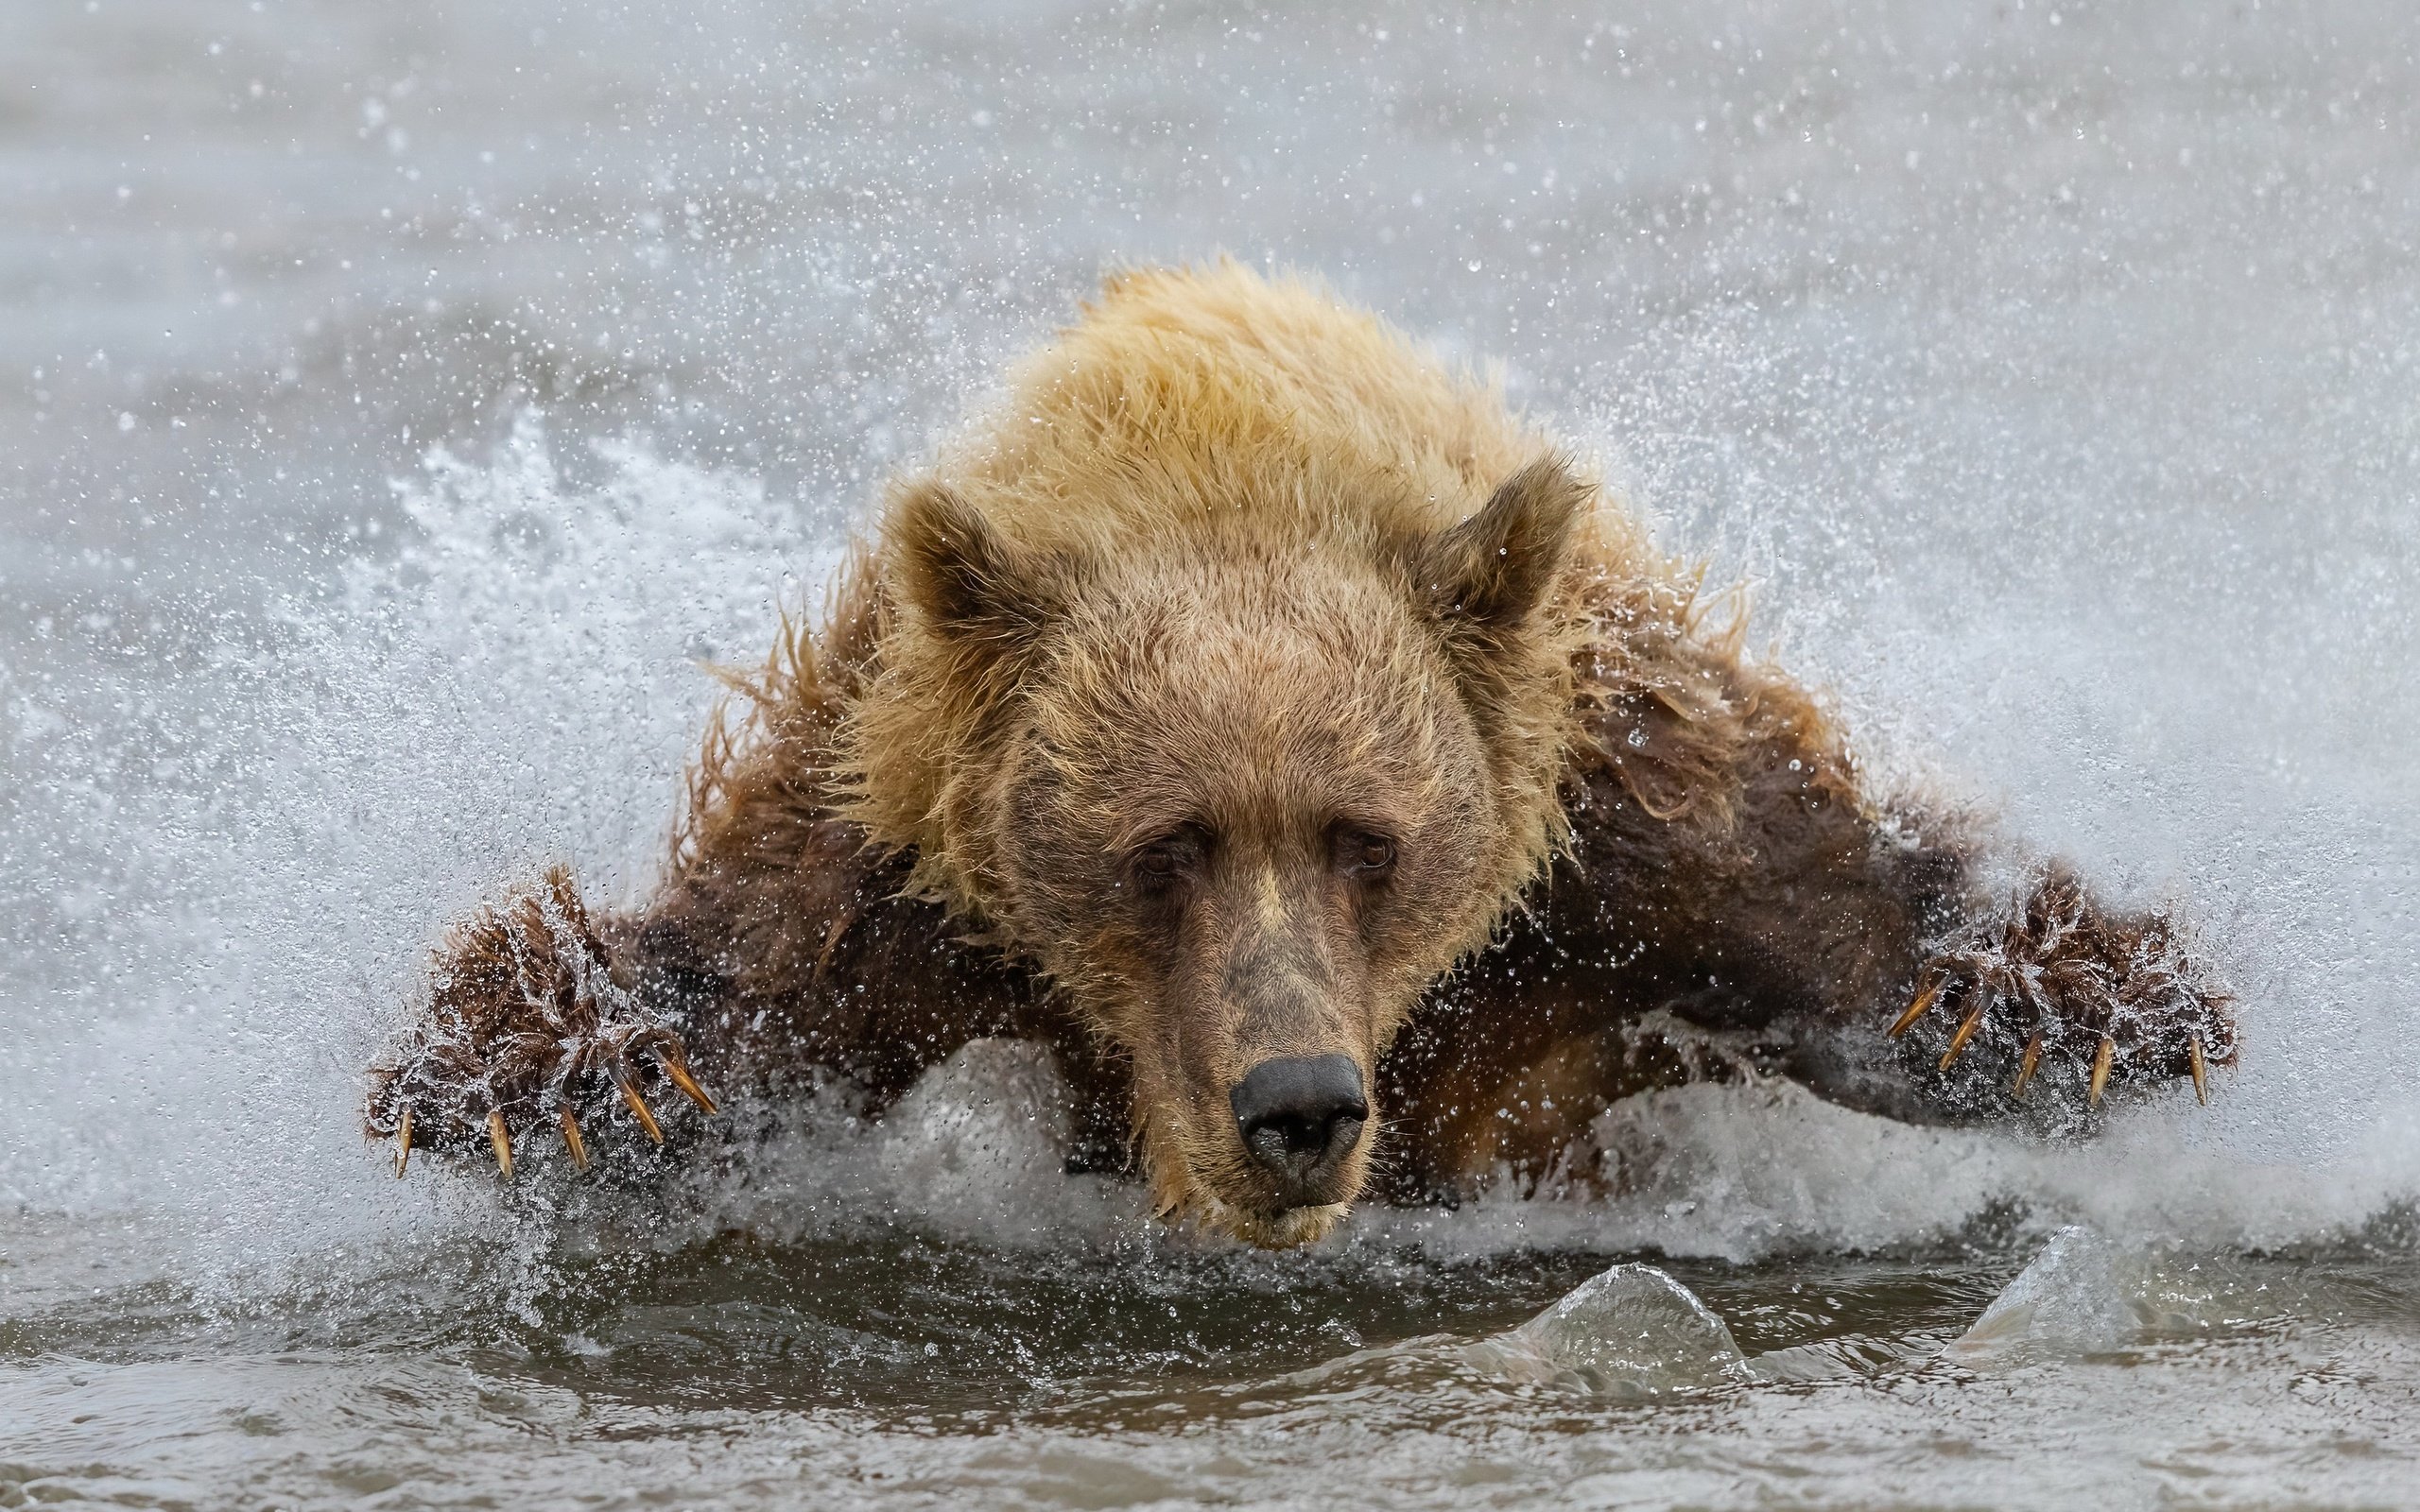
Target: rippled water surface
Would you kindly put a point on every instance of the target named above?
(892, 1369)
(399, 402)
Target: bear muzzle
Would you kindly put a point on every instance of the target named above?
(1300, 1118)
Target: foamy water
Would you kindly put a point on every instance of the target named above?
(396, 413)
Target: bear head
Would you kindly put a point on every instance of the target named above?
(1242, 792)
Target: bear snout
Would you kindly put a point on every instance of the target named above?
(1300, 1118)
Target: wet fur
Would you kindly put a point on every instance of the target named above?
(1683, 874)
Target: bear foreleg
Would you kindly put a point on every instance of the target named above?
(2059, 981)
(1728, 865)
(528, 1029)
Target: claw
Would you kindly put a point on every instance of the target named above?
(404, 1124)
(680, 1079)
(1916, 1009)
(638, 1106)
(2025, 1067)
(502, 1143)
(2100, 1063)
(1965, 1031)
(572, 1141)
(2201, 1073)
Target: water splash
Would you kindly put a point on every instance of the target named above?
(519, 680)
(236, 873)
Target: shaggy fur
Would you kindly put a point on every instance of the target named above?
(1247, 684)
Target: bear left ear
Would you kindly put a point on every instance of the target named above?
(1491, 571)
(950, 564)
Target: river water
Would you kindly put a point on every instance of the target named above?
(398, 403)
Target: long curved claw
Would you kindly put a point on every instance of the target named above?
(498, 1137)
(404, 1139)
(2201, 1073)
(572, 1141)
(1916, 1009)
(680, 1079)
(1965, 1031)
(2025, 1067)
(2101, 1060)
(638, 1108)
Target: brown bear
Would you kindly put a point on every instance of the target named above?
(1257, 712)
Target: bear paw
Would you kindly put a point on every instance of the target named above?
(527, 1028)
(2070, 983)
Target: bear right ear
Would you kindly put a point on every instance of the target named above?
(950, 564)
(1488, 573)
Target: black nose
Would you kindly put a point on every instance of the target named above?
(1301, 1116)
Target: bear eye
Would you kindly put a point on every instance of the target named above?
(1365, 854)
(1160, 864)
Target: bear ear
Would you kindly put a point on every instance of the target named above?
(1493, 570)
(968, 582)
